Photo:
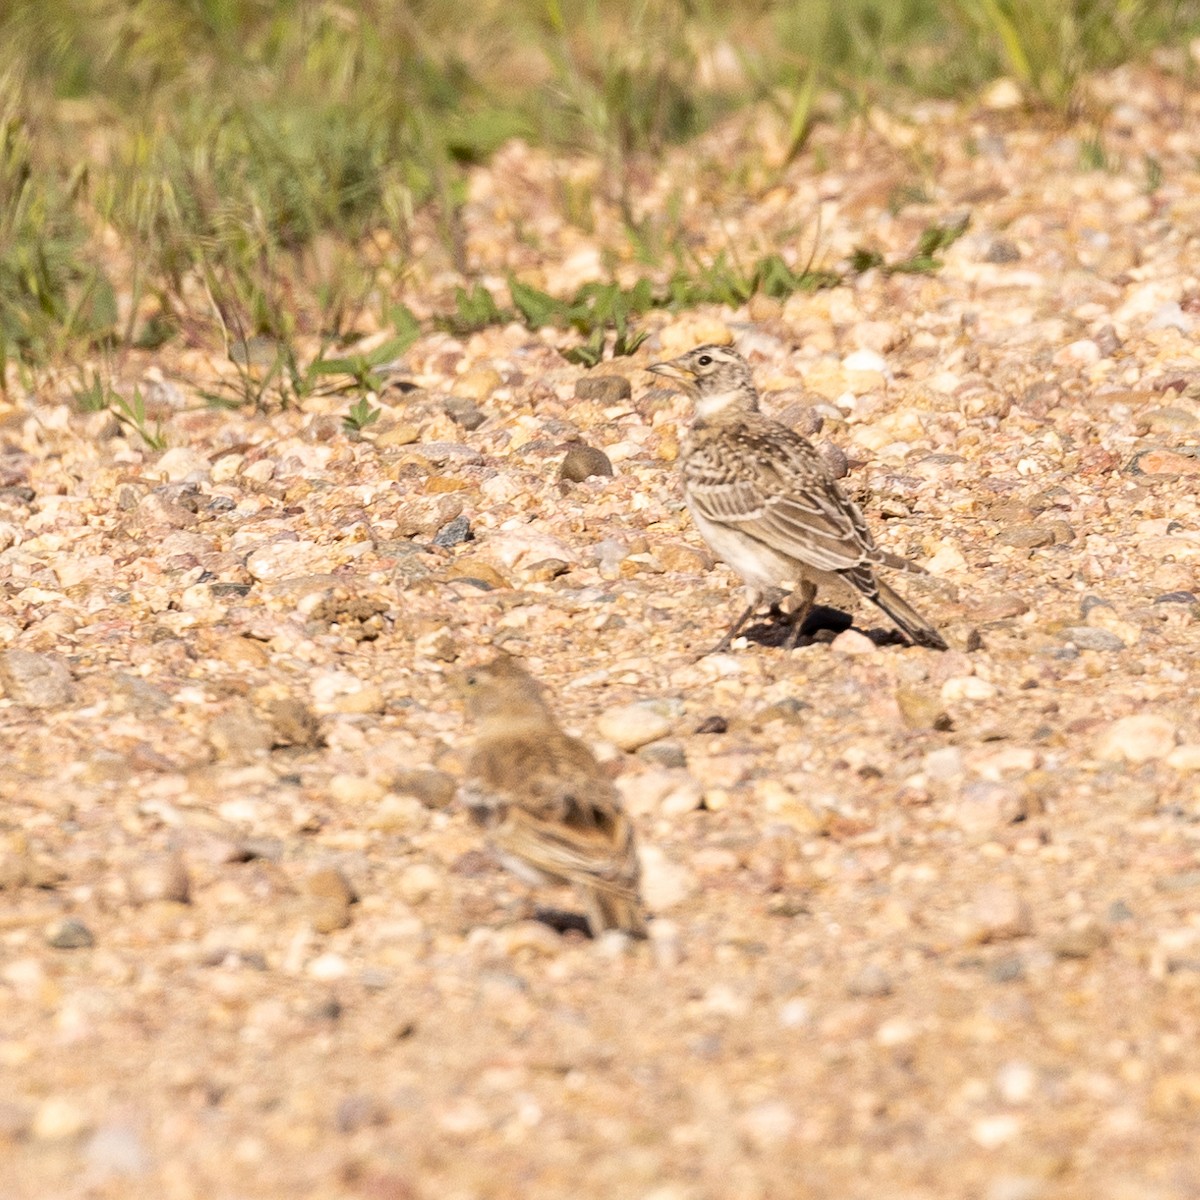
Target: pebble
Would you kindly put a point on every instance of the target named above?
(58, 1118)
(985, 806)
(1080, 939)
(666, 943)
(999, 913)
(464, 412)
(35, 680)
(603, 389)
(418, 882)
(1165, 462)
(851, 642)
(1089, 637)
(632, 725)
(477, 384)
(529, 937)
(966, 687)
(1141, 738)
(116, 1150)
(454, 532)
(164, 878)
(872, 981)
(665, 884)
(330, 896)
(69, 933)
(583, 462)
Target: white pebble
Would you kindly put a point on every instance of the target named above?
(1137, 739)
(632, 725)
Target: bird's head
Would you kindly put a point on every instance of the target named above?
(716, 377)
(499, 691)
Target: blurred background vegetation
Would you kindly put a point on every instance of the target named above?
(171, 167)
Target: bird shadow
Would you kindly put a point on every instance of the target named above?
(562, 921)
(823, 624)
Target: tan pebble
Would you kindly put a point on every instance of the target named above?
(396, 435)
(366, 700)
(434, 789)
(1080, 939)
(685, 797)
(764, 308)
(665, 884)
(1166, 462)
(1136, 739)
(984, 806)
(997, 607)
(921, 709)
(396, 813)
(471, 567)
(163, 879)
(328, 967)
(850, 641)
(418, 882)
(1185, 757)
(58, 1118)
(529, 937)
(966, 687)
(632, 725)
(689, 560)
(444, 483)
(478, 384)
(999, 913)
(355, 791)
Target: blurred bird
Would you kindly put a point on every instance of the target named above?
(549, 811)
(765, 502)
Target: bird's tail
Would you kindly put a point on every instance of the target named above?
(609, 908)
(910, 621)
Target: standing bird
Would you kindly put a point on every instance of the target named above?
(765, 502)
(549, 811)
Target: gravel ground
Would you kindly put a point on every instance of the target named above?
(925, 925)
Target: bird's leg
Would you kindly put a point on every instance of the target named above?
(735, 628)
(807, 593)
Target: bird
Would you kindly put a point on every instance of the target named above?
(549, 811)
(764, 501)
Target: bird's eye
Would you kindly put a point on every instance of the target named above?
(705, 360)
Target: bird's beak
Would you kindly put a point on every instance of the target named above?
(672, 370)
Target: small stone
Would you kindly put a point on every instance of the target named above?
(603, 389)
(239, 736)
(966, 687)
(355, 791)
(998, 606)
(434, 789)
(665, 754)
(851, 642)
(1088, 637)
(582, 462)
(162, 879)
(1002, 251)
(999, 914)
(330, 896)
(35, 680)
(871, 981)
(921, 709)
(992, 1132)
(835, 460)
(392, 436)
(713, 724)
(70, 933)
(686, 797)
(476, 570)
(1027, 537)
(665, 884)
(418, 882)
(529, 937)
(1141, 738)
(689, 560)
(768, 1125)
(985, 806)
(632, 725)
(464, 412)
(1081, 939)
(116, 1150)
(1108, 341)
(293, 723)
(1165, 462)
(58, 1118)
(478, 384)
(454, 532)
